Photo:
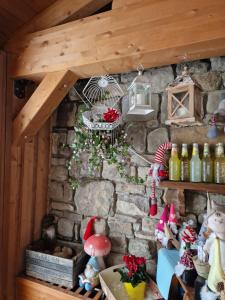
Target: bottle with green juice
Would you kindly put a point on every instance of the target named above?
(195, 165)
(184, 164)
(207, 165)
(174, 164)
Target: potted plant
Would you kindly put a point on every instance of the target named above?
(134, 276)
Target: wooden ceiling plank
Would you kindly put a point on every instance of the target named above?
(118, 40)
(59, 12)
(41, 104)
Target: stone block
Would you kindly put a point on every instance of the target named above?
(123, 218)
(194, 67)
(220, 199)
(136, 136)
(70, 137)
(120, 227)
(151, 267)
(66, 114)
(148, 225)
(195, 202)
(72, 216)
(139, 247)
(67, 193)
(58, 173)
(58, 161)
(58, 139)
(139, 162)
(82, 170)
(55, 190)
(156, 138)
(133, 205)
(130, 188)
(144, 235)
(56, 213)
(223, 79)
(218, 63)
(65, 228)
(209, 81)
(100, 226)
(137, 226)
(119, 243)
(127, 78)
(95, 198)
(143, 172)
(77, 232)
(110, 172)
(214, 99)
(191, 135)
(114, 259)
(62, 206)
(160, 78)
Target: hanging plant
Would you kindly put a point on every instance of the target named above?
(99, 147)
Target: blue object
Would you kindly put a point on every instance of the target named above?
(167, 260)
(212, 132)
(88, 287)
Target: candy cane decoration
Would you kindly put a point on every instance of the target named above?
(156, 173)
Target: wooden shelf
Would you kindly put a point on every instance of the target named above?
(198, 186)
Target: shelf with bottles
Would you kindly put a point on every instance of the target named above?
(195, 186)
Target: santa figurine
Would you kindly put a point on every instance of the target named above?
(159, 231)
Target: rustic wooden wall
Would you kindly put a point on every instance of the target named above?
(23, 186)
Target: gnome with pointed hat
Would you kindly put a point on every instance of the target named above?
(173, 220)
(159, 231)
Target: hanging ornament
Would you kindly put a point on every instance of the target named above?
(139, 94)
(212, 132)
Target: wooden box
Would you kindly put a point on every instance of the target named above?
(57, 270)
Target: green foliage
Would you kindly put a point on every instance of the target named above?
(99, 148)
(139, 276)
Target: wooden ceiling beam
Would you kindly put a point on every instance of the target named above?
(153, 33)
(41, 105)
(59, 12)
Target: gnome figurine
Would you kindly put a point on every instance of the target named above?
(89, 279)
(173, 220)
(159, 231)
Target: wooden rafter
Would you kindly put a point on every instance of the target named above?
(153, 33)
(42, 103)
(59, 12)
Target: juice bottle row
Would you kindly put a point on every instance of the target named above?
(195, 169)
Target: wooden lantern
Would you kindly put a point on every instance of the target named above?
(184, 101)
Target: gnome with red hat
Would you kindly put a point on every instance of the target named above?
(159, 231)
(173, 220)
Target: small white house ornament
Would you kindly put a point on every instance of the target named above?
(139, 94)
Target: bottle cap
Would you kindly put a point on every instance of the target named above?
(195, 144)
(184, 145)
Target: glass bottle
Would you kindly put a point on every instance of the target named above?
(219, 164)
(195, 165)
(207, 165)
(174, 164)
(184, 164)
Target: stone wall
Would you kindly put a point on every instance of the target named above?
(122, 208)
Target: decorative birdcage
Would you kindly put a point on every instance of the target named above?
(184, 101)
(102, 94)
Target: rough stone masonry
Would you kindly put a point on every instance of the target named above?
(122, 207)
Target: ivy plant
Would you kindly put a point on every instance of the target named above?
(99, 148)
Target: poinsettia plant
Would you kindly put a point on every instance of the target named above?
(134, 271)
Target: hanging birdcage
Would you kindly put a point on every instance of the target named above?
(102, 94)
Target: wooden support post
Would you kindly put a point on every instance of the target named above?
(42, 103)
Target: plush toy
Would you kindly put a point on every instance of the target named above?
(157, 172)
(173, 220)
(90, 279)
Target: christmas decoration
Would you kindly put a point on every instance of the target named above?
(89, 228)
(111, 115)
(159, 231)
(212, 132)
(173, 220)
(98, 145)
(157, 172)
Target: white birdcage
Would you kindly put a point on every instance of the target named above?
(103, 94)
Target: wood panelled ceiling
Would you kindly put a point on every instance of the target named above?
(15, 13)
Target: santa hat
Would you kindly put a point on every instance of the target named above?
(172, 216)
(163, 219)
(89, 228)
(189, 235)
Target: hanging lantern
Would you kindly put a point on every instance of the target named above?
(139, 94)
(184, 101)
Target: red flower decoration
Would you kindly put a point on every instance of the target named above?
(111, 115)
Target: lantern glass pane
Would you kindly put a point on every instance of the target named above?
(180, 105)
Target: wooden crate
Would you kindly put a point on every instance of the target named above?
(34, 289)
(50, 268)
